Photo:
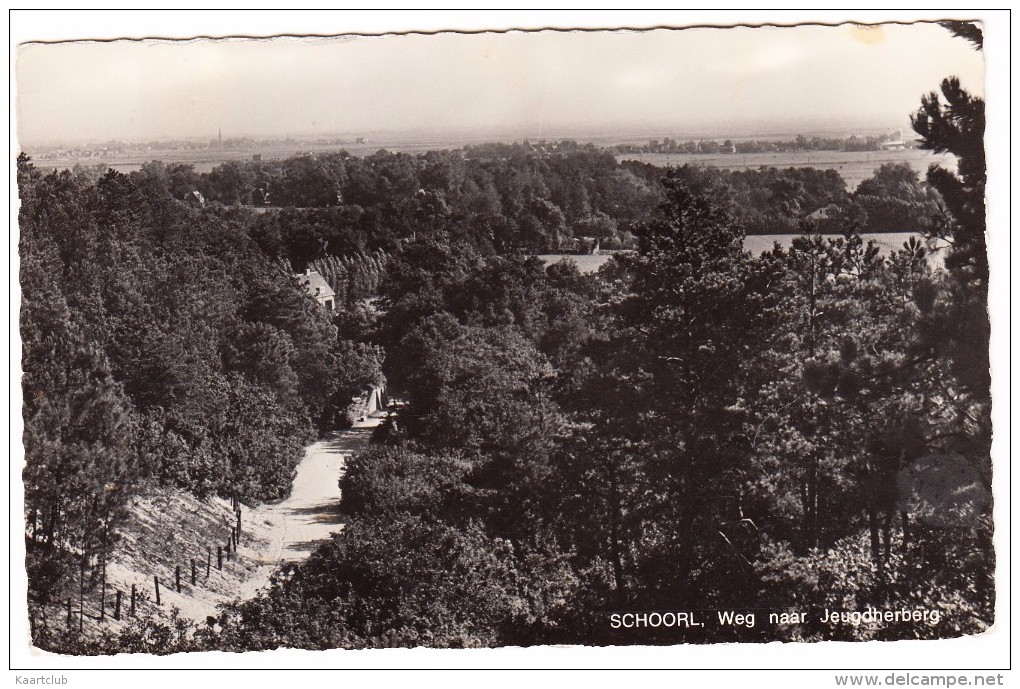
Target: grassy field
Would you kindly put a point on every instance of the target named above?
(760, 243)
(887, 243)
(852, 167)
(756, 244)
(586, 263)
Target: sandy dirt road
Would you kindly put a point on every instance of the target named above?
(285, 531)
(311, 514)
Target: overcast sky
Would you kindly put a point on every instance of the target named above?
(723, 81)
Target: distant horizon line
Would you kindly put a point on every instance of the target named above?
(481, 134)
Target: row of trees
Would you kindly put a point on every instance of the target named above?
(526, 200)
(354, 278)
(800, 143)
(786, 201)
(519, 198)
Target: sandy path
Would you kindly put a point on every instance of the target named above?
(311, 514)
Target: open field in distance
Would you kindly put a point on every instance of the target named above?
(888, 242)
(586, 263)
(756, 244)
(853, 166)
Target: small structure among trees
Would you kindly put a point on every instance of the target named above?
(318, 288)
(829, 210)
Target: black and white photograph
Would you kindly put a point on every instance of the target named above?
(590, 336)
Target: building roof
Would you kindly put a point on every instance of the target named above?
(315, 284)
(824, 212)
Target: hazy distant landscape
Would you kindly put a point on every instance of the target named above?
(852, 166)
(205, 159)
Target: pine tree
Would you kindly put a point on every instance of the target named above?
(698, 306)
(958, 126)
(956, 324)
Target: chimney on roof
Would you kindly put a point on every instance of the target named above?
(308, 271)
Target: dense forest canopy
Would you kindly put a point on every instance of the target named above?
(692, 427)
(510, 198)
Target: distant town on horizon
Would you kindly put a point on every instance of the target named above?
(764, 131)
(693, 142)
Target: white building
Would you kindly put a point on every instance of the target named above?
(317, 287)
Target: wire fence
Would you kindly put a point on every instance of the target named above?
(114, 603)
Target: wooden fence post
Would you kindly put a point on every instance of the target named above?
(132, 600)
(81, 596)
(193, 572)
(208, 561)
(116, 609)
(102, 594)
(177, 577)
(155, 578)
